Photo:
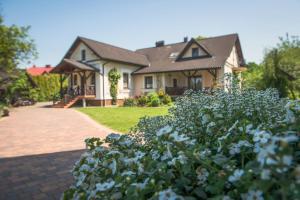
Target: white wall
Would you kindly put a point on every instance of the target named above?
(122, 68)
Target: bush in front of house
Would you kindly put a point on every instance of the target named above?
(130, 102)
(154, 99)
(237, 145)
(142, 100)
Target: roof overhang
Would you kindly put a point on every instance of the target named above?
(68, 66)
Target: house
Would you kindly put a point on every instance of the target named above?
(171, 67)
(37, 71)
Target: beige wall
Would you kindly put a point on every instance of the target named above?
(76, 55)
(231, 62)
(188, 53)
(139, 84)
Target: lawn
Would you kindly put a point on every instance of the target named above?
(122, 118)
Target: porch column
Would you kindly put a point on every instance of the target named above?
(61, 85)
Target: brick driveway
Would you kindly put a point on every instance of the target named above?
(38, 148)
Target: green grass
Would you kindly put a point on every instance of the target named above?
(122, 118)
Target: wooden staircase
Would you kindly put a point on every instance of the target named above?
(68, 104)
(71, 103)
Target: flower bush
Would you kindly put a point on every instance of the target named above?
(230, 145)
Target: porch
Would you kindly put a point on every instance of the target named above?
(176, 83)
(81, 82)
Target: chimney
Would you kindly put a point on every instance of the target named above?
(159, 43)
(48, 66)
(185, 39)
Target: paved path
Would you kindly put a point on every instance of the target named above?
(38, 148)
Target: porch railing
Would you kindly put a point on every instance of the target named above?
(78, 91)
(175, 91)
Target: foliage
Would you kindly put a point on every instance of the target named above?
(22, 88)
(166, 99)
(4, 111)
(130, 102)
(280, 69)
(142, 100)
(15, 46)
(253, 76)
(237, 145)
(113, 77)
(122, 119)
(153, 99)
(48, 86)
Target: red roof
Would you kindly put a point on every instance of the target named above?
(36, 71)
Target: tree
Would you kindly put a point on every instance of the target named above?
(280, 69)
(15, 46)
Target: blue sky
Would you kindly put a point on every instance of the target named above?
(137, 24)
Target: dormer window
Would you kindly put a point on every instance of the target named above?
(195, 52)
(83, 54)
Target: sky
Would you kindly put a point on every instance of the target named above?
(135, 24)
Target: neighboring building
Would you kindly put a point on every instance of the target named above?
(171, 67)
(37, 71)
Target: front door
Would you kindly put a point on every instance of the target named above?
(195, 82)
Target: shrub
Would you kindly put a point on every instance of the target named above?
(153, 99)
(166, 99)
(237, 145)
(142, 100)
(130, 102)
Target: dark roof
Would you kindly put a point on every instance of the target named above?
(110, 52)
(68, 65)
(218, 48)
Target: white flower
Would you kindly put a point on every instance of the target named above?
(287, 160)
(254, 195)
(179, 138)
(139, 154)
(261, 137)
(165, 130)
(169, 195)
(202, 175)
(226, 198)
(265, 174)
(236, 147)
(84, 167)
(113, 152)
(264, 154)
(141, 185)
(127, 173)
(113, 166)
(181, 158)
(237, 174)
(105, 186)
(155, 155)
(80, 179)
(113, 136)
(126, 142)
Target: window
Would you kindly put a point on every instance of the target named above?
(93, 79)
(125, 80)
(83, 54)
(75, 79)
(174, 82)
(195, 52)
(195, 82)
(148, 82)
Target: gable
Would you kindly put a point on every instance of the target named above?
(76, 53)
(187, 52)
